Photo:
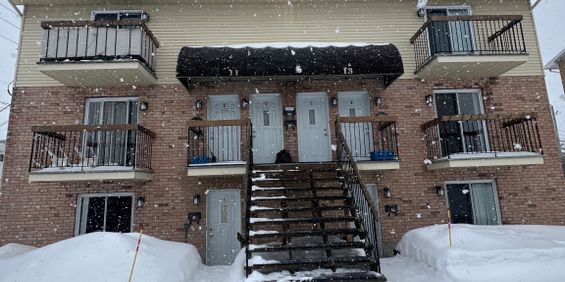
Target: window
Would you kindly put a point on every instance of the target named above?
(461, 136)
(116, 148)
(473, 202)
(450, 36)
(104, 212)
(119, 15)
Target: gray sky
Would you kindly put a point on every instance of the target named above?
(550, 24)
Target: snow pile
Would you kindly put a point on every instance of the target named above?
(482, 253)
(100, 257)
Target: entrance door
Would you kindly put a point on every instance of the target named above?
(313, 127)
(473, 203)
(224, 141)
(450, 36)
(359, 135)
(461, 136)
(110, 147)
(266, 117)
(223, 216)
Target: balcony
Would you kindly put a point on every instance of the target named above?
(98, 53)
(215, 147)
(372, 141)
(91, 152)
(482, 140)
(469, 47)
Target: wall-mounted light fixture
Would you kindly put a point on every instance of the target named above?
(196, 199)
(244, 103)
(429, 100)
(421, 12)
(387, 192)
(440, 191)
(143, 106)
(334, 101)
(199, 104)
(378, 101)
(140, 201)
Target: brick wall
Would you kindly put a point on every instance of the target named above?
(41, 213)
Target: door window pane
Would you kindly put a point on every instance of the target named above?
(459, 197)
(312, 116)
(105, 213)
(266, 118)
(484, 204)
(352, 112)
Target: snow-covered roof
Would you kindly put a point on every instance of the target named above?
(554, 63)
(280, 45)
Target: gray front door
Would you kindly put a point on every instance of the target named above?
(359, 135)
(224, 141)
(223, 221)
(266, 117)
(313, 127)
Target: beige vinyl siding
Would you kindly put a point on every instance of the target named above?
(178, 25)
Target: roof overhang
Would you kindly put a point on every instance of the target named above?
(289, 62)
(554, 63)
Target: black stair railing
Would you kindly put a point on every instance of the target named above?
(366, 209)
(248, 186)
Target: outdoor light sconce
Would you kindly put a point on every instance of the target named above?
(421, 12)
(196, 199)
(244, 103)
(199, 104)
(387, 192)
(391, 210)
(141, 201)
(440, 191)
(334, 101)
(143, 106)
(429, 100)
(378, 101)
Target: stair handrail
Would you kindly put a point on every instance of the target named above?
(366, 209)
(248, 186)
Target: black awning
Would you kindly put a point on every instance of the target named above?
(264, 63)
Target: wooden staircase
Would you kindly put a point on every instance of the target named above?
(302, 223)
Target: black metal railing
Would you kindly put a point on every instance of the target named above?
(475, 134)
(68, 41)
(364, 206)
(248, 191)
(83, 147)
(370, 137)
(217, 141)
(468, 35)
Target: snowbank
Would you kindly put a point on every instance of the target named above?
(100, 257)
(483, 253)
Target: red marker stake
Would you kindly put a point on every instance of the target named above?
(135, 256)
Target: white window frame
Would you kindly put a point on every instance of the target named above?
(469, 182)
(144, 15)
(479, 93)
(95, 195)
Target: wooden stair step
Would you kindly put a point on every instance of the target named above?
(317, 262)
(310, 233)
(293, 189)
(302, 209)
(271, 221)
(339, 245)
(256, 200)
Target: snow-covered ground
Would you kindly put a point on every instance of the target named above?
(479, 253)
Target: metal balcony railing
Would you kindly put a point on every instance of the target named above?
(370, 137)
(108, 41)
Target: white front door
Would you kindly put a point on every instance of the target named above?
(224, 141)
(223, 221)
(359, 135)
(313, 127)
(266, 118)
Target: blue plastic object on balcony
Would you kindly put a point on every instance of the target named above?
(382, 155)
(200, 160)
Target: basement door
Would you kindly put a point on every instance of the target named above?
(223, 221)
(313, 127)
(224, 141)
(473, 203)
(266, 118)
(359, 135)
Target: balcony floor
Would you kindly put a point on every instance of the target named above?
(98, 73)
(469, 66)
(487, 160)
(57, 174)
